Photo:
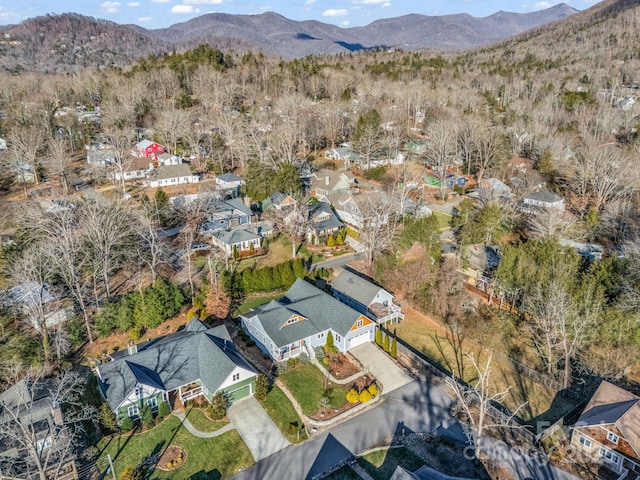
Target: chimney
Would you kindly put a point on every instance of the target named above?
(132, 348)
(326, 180)
(57, 414)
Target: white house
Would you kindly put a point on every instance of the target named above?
(165, 176)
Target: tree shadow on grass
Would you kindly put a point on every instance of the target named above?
(210, 475)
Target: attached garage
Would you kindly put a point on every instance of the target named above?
(359, 339)
(239, 393)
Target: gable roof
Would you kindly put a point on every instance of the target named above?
(320, 311)
(165, 172)
(544, 196)
(330, 179)
(228, 178)
(142, 144)
(356, 287)
(612, 405)
(233, 237)
(332, 223)
(166, 363)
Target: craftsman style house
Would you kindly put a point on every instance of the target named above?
(301, 320)
(366, 297)
(197, 361)
(608, 430)
(327, 182)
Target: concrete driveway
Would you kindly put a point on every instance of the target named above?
(256, 428)
(381, 366)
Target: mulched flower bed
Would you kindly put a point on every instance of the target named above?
(340, 366)
(359, 384)
(172, 458)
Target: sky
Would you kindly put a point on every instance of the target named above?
(343, 13)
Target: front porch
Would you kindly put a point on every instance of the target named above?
(181, 395)
(293, 350)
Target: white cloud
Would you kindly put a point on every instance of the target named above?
(369, 2)
(133, 4)
(386, 4)
(144, 19)
(111, 7)
(310, 2)
(542, 5)
(159, 1)
(184, 9)
(335, 12)
(202, 2)
(345, 23)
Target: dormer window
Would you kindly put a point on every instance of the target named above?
(612, 437)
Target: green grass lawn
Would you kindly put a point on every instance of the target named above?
(306, 382)
(279, 408)
(444, 220)
(382, 463)
(212, 458)
(203, 423)
(252, 302)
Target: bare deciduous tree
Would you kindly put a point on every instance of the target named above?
(44, 441)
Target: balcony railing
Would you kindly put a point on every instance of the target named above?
(188, 395)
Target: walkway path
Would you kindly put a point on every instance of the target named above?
(181, 414)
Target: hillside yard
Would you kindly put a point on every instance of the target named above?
(432, 339)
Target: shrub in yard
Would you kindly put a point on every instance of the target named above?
(352, 396)
(137, 473)
(262, 388)
(146, 416)
(218, 408)
(126, 425)
(293, 362)
(385, 344)
(163, 410)
(373, 389)
(325, 360)
(108, 421)
(394, 348)
(365, 396)
(379, 337)
(329, 346)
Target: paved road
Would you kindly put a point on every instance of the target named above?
(340, 261)
(256, 428)
(417, 407)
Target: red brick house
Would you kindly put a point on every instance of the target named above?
(148, 149)
(608, 431)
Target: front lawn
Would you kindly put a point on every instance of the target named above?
(214, 458)
(203, 423)
(279, 408)
(307, 384)
(382, 463)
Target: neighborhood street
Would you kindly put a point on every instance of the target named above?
(418, 406)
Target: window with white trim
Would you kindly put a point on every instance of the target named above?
(152, 402)
(133, 410)
(584, 441)
(609, 455)
(338, 338)
(360, 323)
(612, 437)
(236, 377)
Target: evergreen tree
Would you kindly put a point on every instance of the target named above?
(262, 388)
(386, 343)
(394, 346)
(379, 337)
(329, 346)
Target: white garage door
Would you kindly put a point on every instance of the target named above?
(359, 339)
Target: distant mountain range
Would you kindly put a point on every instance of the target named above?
(62, 42)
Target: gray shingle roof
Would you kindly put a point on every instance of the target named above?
(166, 172)
(320, 310)
(356, 287)
(195, 353)
(544, 196)
(229, 177)
(233, 237)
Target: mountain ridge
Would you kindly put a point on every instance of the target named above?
(56, 43)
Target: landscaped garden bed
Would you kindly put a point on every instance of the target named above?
(172, 458)
(338, 364)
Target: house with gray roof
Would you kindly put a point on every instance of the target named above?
(300, 321)
(366, 297)
(327, 182)
(237, 240)
(541, 199)
(226, 214)
(323, 221)
(229, 183)
(197, 361)
(167, 175)
(608, 430)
